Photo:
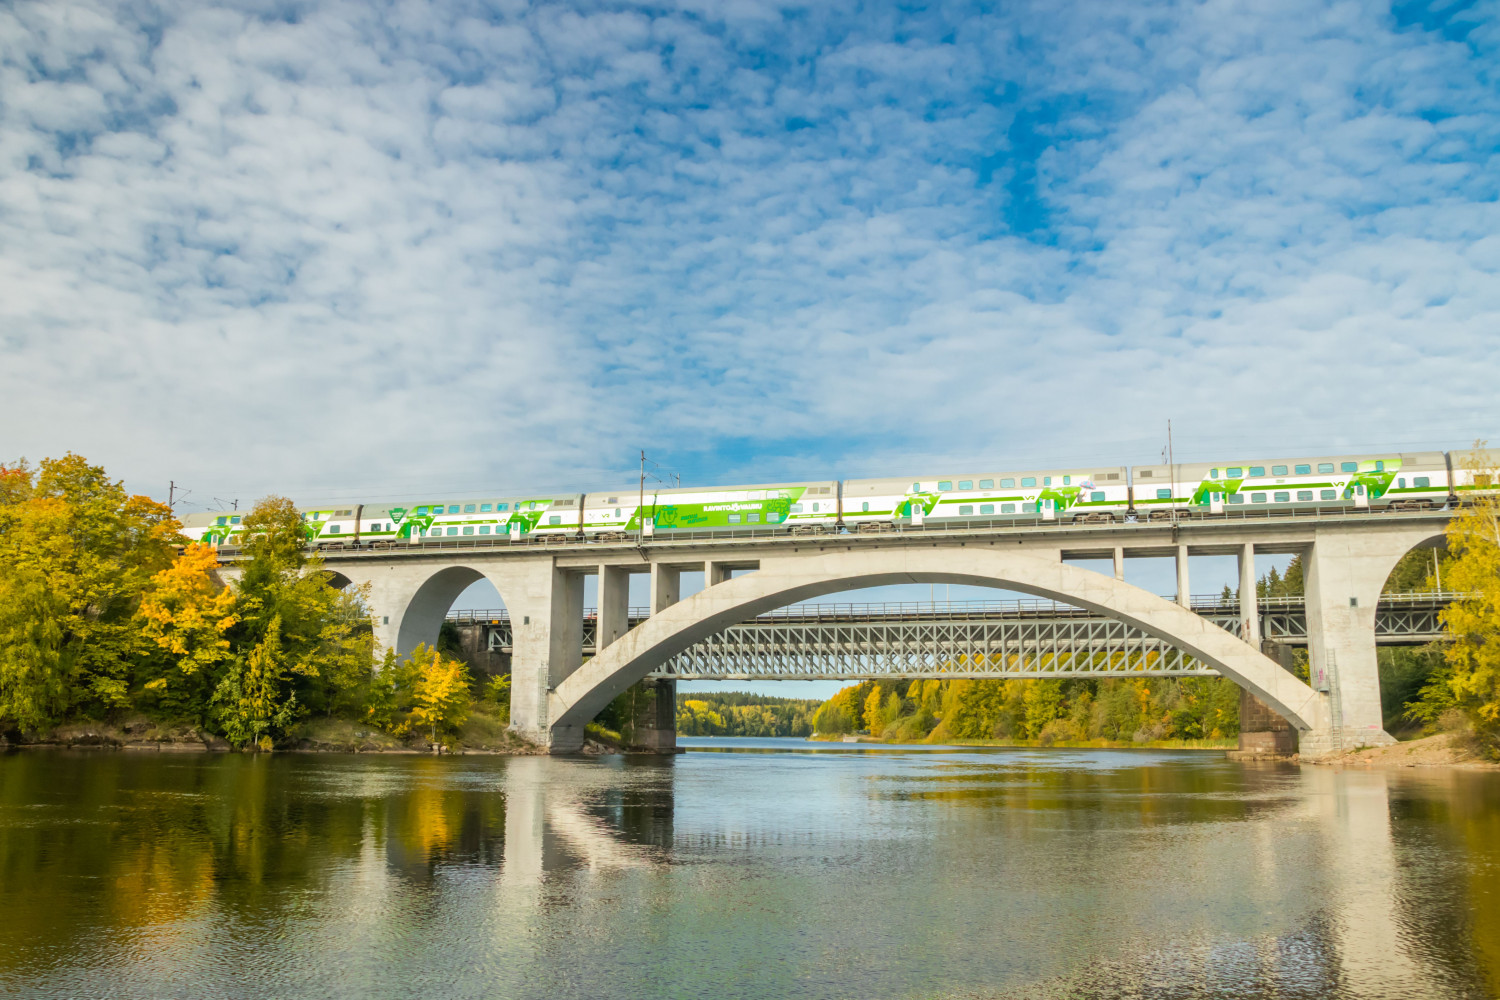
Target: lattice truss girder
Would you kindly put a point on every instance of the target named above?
(1069, 647)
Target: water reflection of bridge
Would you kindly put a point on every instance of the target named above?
(1013, 638)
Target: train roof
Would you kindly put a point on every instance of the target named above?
(1409, 459)
(891, 484)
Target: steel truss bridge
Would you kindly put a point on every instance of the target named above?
(991, 639)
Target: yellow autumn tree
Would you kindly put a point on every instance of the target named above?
(440, 696)
(186, 613)
(1471, 678)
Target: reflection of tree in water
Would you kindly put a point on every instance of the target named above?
(1446, 816)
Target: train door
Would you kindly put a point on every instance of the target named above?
(1361, 495)
(1048, 509)
(915, 506)
(1216, 503)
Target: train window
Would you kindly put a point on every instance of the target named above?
(916, 487)
(1422, 482)
(1350, 466)
(752, 518)
(796, 508)
(223, 520)
(965, 510)
(966, 484)
(453, 508)
(1257, 498)
(1380, 465)
(1163, 494)
(1283, 497)
(1213, 473)
(468, 508)
(945, 485)
(986, 508)
(234, 520)
(484, 529)
(485, 508)
(552, 519)
(617, 512)
(435, 532)
(815, 507)
(1097, 496)
(1046, 480)
(1028, 481)
(1007, 508)
(452, 531)
(1304, 495)
(865, 506)
(1007, 484)
(1067, 480)
(468, 530)
(1278, 470)
(1401, 484)
(1325, 466)
(986, 484)
(1330, 494)
(735, 518)
(421, 511)
(334, 529)
(503, 507)
(1236, 498)
(772, 517)
(1257, 470)
(1304, 470)
(1235, 473)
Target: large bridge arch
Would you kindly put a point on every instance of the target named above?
(575, 701)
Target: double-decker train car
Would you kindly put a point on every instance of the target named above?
(1076, 494)
(1398, 481)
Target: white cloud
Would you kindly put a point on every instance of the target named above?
(432, 246)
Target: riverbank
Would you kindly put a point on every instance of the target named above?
(1442, 750)
(482, 733)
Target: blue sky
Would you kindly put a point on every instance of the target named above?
(344, 250)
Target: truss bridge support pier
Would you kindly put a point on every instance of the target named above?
(556, 692)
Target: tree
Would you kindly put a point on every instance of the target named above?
(186, 613)
(441, 695)
(76, 554)
(251, 698)
(1470, 679)
(325, 638)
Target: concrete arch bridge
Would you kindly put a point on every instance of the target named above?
(555, 692)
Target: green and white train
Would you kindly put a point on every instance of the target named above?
(1140, 493)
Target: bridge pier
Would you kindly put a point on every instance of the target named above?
(656, 716)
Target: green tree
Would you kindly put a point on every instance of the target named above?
(1470, 679)
(76, 554)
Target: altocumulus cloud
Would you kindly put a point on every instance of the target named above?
(315, 246)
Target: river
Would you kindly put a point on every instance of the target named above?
(744, 869)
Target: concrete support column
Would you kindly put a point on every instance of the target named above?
(1119, 563)
(1183, 597)
(614, 605)
(546, 615)
(666, 586)
(1262, 730)
(656, 719)
(1249, 600)
(1344, 575)
(714, 573)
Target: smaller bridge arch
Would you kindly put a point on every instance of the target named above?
(575, 701)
